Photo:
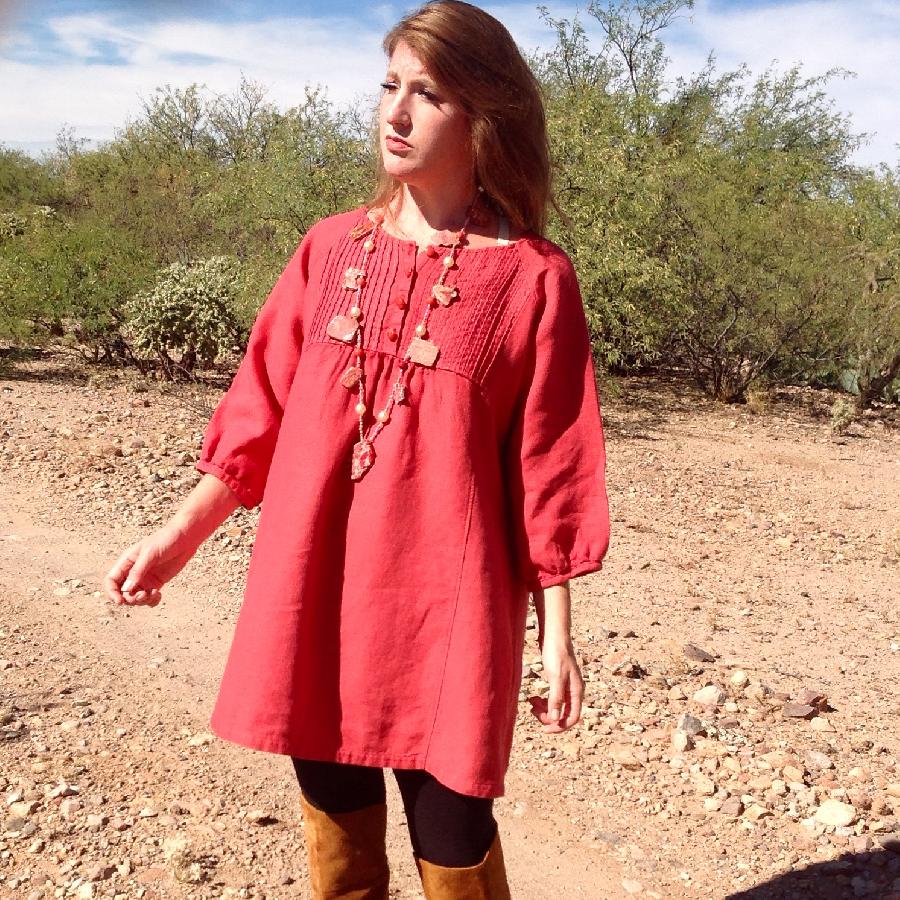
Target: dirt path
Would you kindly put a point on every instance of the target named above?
(765, 542)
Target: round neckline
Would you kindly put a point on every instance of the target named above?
(511, 245)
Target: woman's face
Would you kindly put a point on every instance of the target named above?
(424, 138)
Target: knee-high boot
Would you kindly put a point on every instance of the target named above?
(484, 881)
(347, 856)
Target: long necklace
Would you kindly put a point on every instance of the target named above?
(347, 328)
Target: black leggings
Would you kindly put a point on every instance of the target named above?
(445, 827)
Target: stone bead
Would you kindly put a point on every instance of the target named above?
(369, 246)
(421, 330)
(384, 416)
(449, 262)
(360, 408)
(355, 311)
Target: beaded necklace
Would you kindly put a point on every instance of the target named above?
(348, 329)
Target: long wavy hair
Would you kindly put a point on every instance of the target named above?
(477, 64)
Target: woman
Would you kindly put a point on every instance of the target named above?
(417, 409)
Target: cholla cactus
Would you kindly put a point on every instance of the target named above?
(843, 413)
(189, 311)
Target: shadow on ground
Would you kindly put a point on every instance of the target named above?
(874, 875)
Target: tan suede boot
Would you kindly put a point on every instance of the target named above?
(347, 856)
(484, 881)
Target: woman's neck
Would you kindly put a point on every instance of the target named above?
(418, 213)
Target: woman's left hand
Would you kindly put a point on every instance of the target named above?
(562, 709)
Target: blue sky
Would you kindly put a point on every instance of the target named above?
(86, 64)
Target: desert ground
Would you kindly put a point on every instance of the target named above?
(741, 652)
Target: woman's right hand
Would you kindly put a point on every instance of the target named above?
(139, 573)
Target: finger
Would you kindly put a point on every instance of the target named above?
(539, 709)
(137, 576)
(573, 707)
(122, 565)
(112, 590)
(556, 700)
(117, 574)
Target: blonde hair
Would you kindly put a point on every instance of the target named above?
(475, 61)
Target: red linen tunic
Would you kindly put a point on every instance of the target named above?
(383, 621)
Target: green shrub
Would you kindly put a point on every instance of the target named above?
(190, 311)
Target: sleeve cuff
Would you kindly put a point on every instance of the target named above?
(575, 569)
(248, 497)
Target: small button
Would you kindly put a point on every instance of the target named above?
(409, 271)
(400, 302)
(392, 334)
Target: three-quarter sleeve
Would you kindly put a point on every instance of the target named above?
(240, 438)
(555, 456)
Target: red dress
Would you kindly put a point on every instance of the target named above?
(383, 621)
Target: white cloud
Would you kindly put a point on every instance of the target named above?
(344, 55)
(95, 98)
(860, 35)
(863, 37)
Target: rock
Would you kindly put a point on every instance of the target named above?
(816, 760)
(893, 790)
(739, 678)
(260, 817)
(732, 807)
(23, 808)
(631, 887)
(820, 723)
(755, 812)
(697, 654)
(100, 872)
(711, 695)
(620, 663)
(69, 807)
(625, 757)
(889, 842)
(836, 813)
(14, 824)
(808, 697)
(690, 725)
(62, 790)
(706, 787)
(797, 711)
(682, 741)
